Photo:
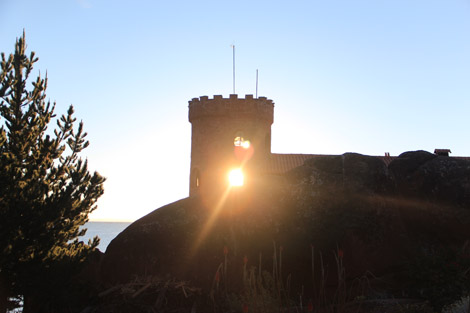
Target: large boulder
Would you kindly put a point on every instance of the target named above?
(426, 176)
(379, 217)
(188, 240)
(350, 172)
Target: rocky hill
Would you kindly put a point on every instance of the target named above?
(337, 219)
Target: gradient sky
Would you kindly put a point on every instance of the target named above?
(367, 76)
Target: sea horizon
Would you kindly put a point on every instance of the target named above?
(105, 230)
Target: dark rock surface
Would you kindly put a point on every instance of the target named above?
(380, 217)
(350, 172)
(423, 175)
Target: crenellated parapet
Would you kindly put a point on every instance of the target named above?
(249, 107)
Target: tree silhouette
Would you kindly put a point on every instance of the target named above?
(46, 190)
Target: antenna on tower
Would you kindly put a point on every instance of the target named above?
(256, 83)
(233, 49)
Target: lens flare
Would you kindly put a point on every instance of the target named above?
(235, 178)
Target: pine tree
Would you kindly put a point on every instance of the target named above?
(46, 189)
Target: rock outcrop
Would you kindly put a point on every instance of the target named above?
(380, 217)
(426, 176)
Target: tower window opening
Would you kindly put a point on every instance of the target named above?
(239, 141)
(196, 179)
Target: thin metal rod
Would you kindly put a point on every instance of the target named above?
(256, 83)
(233, 47)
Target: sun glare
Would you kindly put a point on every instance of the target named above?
(235, 178)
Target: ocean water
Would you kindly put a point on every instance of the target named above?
(106, 231)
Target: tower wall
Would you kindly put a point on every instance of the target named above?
(215, 124)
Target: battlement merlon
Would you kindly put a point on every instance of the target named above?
(248, 107)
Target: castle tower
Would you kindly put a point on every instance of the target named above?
(227, 133)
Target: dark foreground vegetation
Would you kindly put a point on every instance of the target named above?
(271, 291)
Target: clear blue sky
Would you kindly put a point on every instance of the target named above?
(368, 76)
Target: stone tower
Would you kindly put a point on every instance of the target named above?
(228, 133)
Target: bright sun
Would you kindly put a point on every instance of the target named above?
(235, 177)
